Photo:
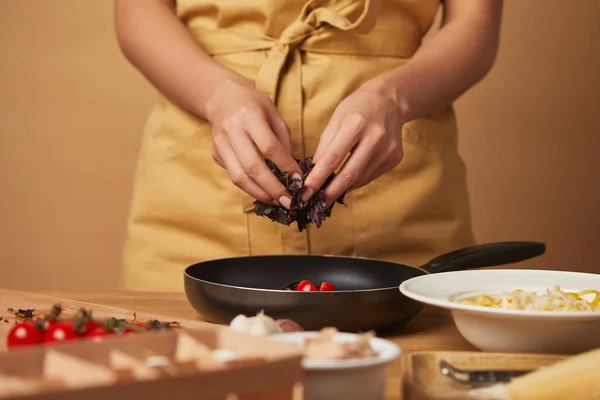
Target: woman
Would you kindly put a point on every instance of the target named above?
(348, 81)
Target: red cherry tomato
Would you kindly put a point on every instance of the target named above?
(305, 286)
(92, 326)
(98, 333)
(47, 323)
(60, 332)
(326, 287)
(23, 334)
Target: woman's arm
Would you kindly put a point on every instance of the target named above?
(368, 122)
(455, 59)
(163, 50)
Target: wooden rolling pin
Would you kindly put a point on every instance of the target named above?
(574, 378)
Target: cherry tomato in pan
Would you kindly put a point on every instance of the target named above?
(325, 287)
(60, 332)
(23, 334)
(305, 286)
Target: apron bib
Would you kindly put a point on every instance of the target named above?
(307, 56)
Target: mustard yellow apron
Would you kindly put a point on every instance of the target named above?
(307, 56)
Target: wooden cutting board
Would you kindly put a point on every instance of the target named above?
(15, 300)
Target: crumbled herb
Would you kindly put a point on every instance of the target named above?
(116, 325)
(56, 310)
(156, 325)
(81, 319)
(24, 313)
(303, 213)
(290, 285)
(134, 317)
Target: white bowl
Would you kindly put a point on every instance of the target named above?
(499, 330)
(360, 379)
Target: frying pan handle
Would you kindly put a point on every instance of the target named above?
(485, 255)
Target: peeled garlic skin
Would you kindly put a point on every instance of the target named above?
(287, 325)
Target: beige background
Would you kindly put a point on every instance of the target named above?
(72, 111)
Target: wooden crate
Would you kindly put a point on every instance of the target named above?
(116, 368)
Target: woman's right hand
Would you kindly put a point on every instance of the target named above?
(245, 119)
(157, 43)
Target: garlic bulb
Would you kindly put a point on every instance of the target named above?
(239, 323)
(259, 325)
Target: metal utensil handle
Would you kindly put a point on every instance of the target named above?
(478, 377)
(488, 377)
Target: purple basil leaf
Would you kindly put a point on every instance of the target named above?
(295, 185)
(302, 213)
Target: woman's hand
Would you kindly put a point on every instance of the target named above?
(159, 45)
(368, 125)
(245, 119)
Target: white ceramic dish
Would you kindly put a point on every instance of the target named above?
(499, 330)
(353, 379)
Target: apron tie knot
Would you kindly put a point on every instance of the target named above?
(295, 33)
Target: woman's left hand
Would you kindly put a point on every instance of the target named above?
(368, 125)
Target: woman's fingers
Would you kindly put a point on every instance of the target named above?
(364, 155)
(326, 138)
(383, 169)
(281, 130)
(217, 157)
(255, 167)
(238, 175)
(345, 139)
(392, 156)
(270, 146)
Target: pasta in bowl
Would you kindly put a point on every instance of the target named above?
(553, 299)
(517, 310)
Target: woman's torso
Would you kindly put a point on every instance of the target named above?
(308, 58)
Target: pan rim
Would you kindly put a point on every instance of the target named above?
(274, 256)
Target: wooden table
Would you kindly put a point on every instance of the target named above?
(432, 329)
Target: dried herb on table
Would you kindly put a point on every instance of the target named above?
(300, 212)
(25, 313)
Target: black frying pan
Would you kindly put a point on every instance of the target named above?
(367, 295)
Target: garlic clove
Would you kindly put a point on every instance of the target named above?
(239, 323)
